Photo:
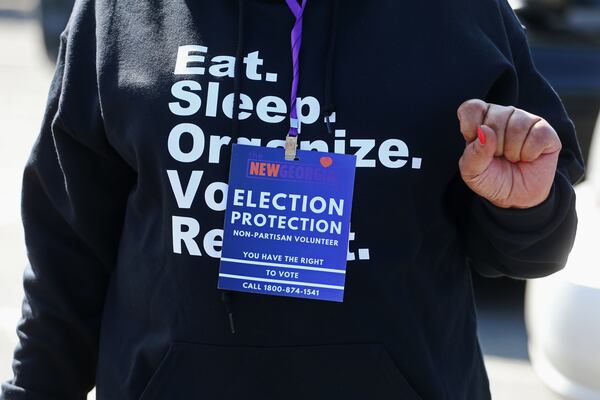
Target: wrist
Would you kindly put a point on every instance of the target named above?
(525, 203)
(524, 218)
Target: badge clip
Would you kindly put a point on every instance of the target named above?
(291, 144)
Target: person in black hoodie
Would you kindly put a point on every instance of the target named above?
(124, 193)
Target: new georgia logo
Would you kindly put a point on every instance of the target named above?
(292, 171)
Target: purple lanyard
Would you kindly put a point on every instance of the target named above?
(292, 136)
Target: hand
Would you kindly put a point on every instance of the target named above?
(511, 155)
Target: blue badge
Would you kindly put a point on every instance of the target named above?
(287, 223)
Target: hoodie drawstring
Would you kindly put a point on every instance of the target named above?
(226, 299)
(237, 81)
(328, 105)
(226, 295)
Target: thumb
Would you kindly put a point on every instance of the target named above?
(478, 154)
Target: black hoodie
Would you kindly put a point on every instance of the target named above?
(115, 297)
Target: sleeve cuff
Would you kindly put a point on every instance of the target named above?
(524, 219)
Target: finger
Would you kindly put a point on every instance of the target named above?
(471, 114)
(478, 155)
(518, 127)
(497, 118)
(542, 139)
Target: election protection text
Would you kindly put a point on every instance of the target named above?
(330, 208)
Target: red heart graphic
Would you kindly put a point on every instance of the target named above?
(326, 161)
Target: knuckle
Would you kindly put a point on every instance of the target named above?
(497, 117)
(542, 133)
(472, 107)
(519, 124)
(504, 111)
(536, 140)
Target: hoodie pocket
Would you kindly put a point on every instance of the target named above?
(358, 371)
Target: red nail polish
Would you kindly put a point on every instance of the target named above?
(480, 135)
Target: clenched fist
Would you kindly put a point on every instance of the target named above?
(510, 156)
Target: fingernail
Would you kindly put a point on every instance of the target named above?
(480, 135)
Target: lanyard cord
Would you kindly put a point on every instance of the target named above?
(296, 36)
(291, 142)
